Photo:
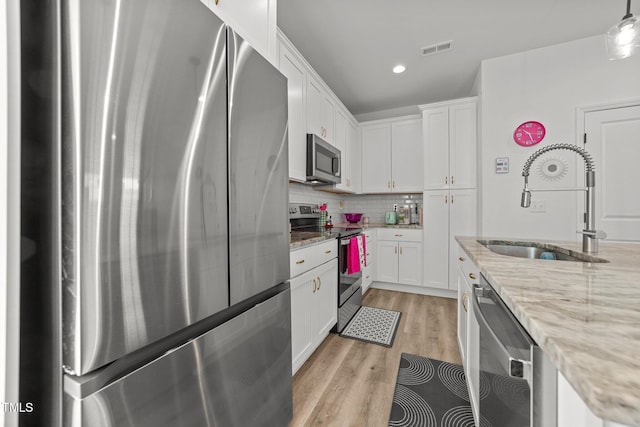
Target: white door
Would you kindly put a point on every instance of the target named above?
(314, 105)
(387, 261)
(340, 142)
(324, 309)
(435, 122)
(463, 221)
(376, 159)
(462, 145)
(613, 142)
(406, 157)
(410, 263)
(436, 239)
(295, 73)
(300, 319)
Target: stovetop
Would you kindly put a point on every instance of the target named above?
(311, 232)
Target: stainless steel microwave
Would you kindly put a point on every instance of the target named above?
(323, 162)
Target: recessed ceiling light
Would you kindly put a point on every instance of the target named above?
(399, 69)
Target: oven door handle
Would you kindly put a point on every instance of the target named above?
(513, 366)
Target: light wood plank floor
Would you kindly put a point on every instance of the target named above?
(350, 383)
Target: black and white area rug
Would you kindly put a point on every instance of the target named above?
(433, 393)
(374, 325)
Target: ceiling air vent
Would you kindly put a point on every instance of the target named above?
(437, 48)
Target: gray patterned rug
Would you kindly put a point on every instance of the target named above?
(374, 325)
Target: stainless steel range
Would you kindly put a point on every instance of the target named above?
(304, 220)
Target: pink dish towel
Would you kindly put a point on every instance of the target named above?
(362, 250)
(353, 256)
(356, 254)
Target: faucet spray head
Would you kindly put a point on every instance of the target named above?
(525, 201)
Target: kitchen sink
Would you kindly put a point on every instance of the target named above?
(533, 250)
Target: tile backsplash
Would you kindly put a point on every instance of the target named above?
(373, 206)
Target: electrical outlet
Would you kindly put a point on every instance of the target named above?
(538, 206)
(395, 206)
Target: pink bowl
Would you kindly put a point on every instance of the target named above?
(353, 217)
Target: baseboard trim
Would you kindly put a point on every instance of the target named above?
(444, 293)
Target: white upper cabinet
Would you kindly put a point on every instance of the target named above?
(450, 144)
(320, 111)
(376, 158)
(292, 67)
(406, 157)
(392, 156)
(341, 142)
(354, 153)
(254, 20)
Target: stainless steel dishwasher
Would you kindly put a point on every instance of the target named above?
(518, 382)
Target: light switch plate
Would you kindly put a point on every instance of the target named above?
(502, 165)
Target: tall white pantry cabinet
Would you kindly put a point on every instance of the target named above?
(450, 186)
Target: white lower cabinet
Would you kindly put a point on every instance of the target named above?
(313, 302)
(468, 329)
(399, 256)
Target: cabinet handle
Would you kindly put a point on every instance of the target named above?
(319, 283)
(452, 199)
(327, 252)
(472, 276)
(367, 276)
(446, 179)
(393, 184)
(216, 2)
(446, 198)
(451, 179)
(400, 250)
(388, 184)
(395, 250)
(461, 259)
(300, 262)
(315, 285)
(398, 235)
(465, 301)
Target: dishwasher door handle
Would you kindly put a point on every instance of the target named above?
(512, 365)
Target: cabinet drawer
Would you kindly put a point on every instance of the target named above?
(309, 257)
(469, 269)
(400, 234)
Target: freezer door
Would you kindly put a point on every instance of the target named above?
(238, 374)
(144, 174)
(258, 172)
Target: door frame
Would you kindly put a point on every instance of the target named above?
(581, 112)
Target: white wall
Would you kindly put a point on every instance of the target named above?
(9, 206)
(546, 85)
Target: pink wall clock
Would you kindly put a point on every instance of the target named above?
(529, 133)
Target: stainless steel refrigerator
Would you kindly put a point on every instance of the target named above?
(169, 224)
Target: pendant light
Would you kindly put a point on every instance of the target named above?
(624, 37)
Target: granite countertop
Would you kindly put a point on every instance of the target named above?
(585, 316)
(383, 225)
(311, 241)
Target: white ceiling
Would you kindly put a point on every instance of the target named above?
(354, 44)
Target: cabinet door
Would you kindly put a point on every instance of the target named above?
(462, 222)
(376, 151)
(314, 105)
(436, 239)
(293, 69)
(324, 300)
(354, 154)
(341, 144)
(435, 130)
(327, 117)
(301, 337)
(406, 157)
(463, 310)
(387, 261)
(254, 20)
(410, 263)
(462, 145)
